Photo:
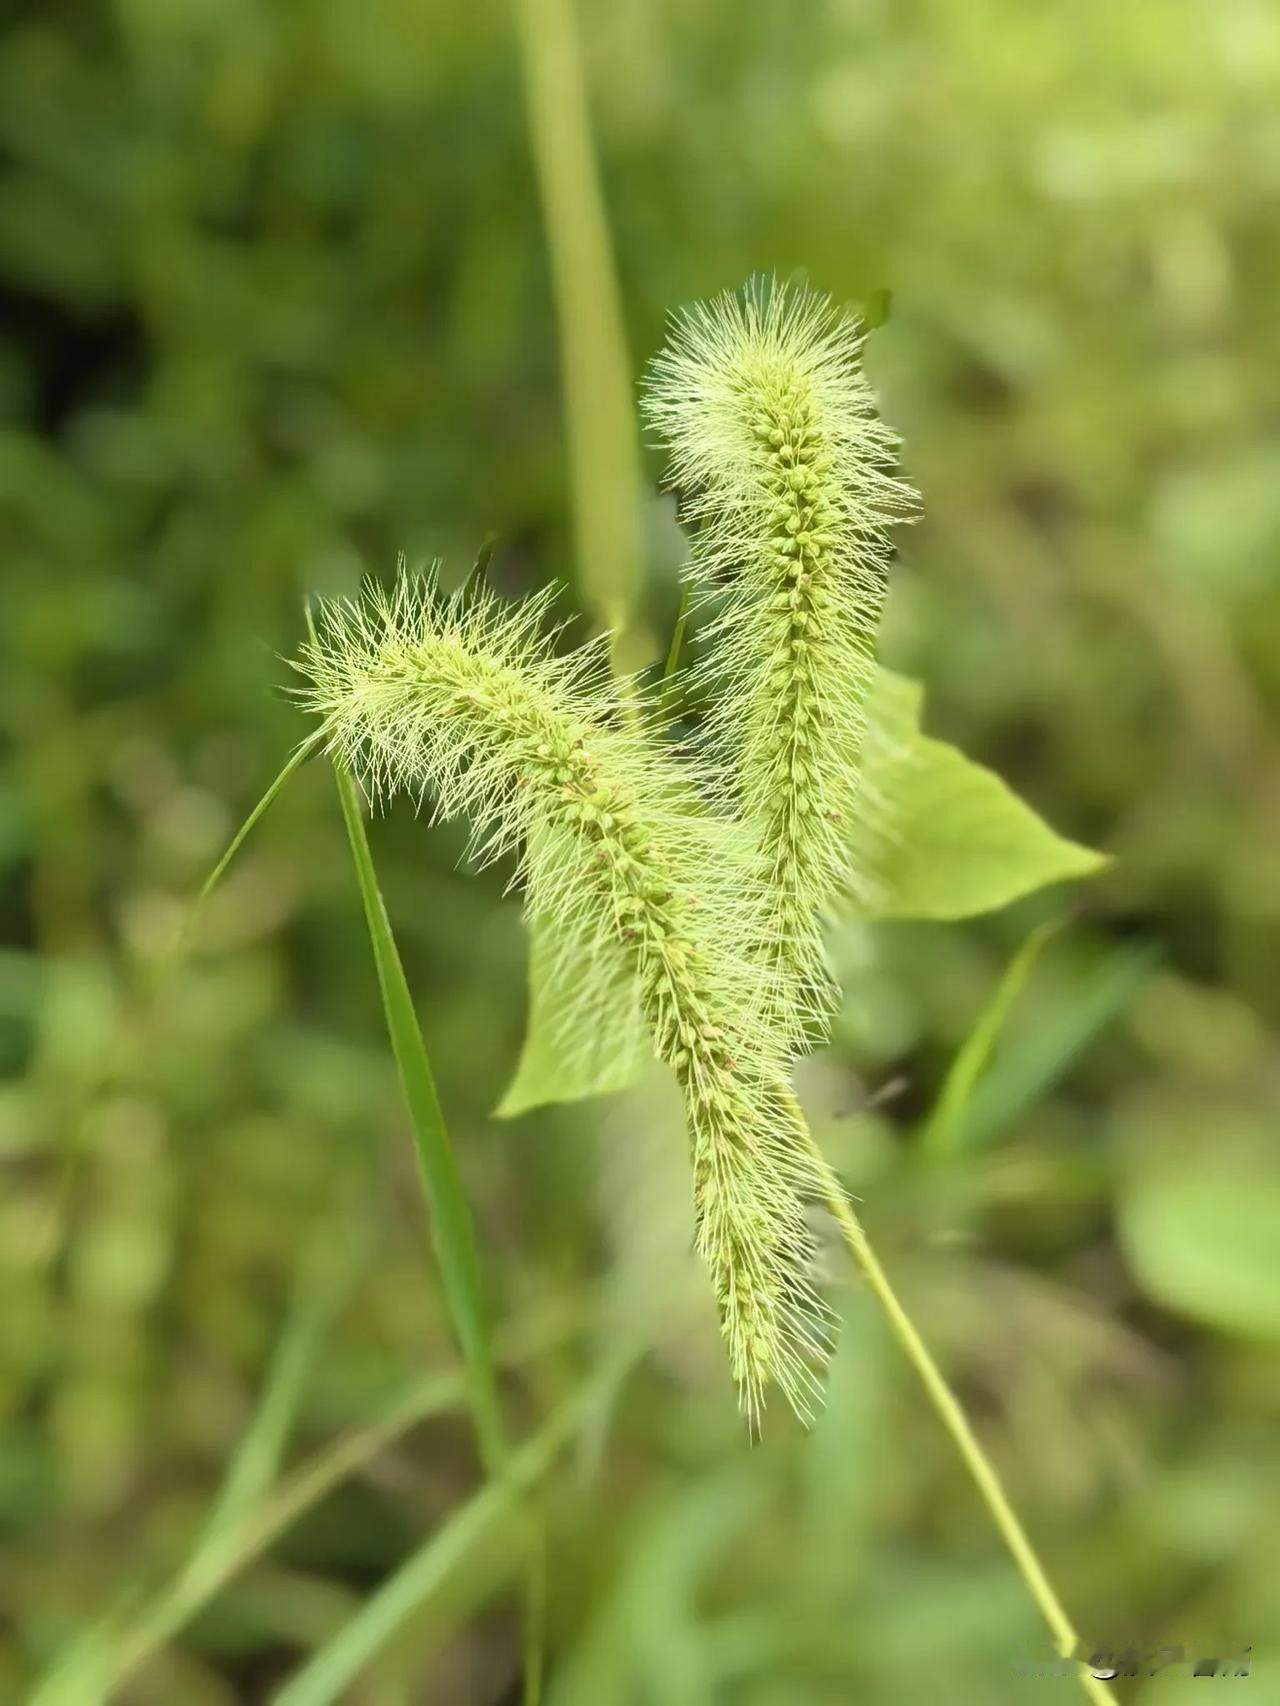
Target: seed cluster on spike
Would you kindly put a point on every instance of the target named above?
(782, 463)
(468, 704)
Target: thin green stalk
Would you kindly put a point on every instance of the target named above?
(604, 458)
(958, 1426)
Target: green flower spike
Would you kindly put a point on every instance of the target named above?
(783, 467)
(466, 703)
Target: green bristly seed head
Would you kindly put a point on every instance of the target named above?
(783, 465)
(467, 704)
(704, 886)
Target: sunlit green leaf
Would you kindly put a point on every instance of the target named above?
(939, 836)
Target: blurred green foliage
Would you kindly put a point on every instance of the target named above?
(276, 306)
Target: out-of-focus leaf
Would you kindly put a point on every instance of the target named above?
(937, 835)
(1202, 1241)
(1022, 1076)
(650, 1634)
(107, 1654)
(255, 1462)
(97, 1664)
(1185, 1684)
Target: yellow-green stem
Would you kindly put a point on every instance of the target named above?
(957, 1425)
(604, 457)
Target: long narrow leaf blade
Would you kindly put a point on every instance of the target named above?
(1019, 1079)
(125, 1639)
(452, 1232)
(108, 1655)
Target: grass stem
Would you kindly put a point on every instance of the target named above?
(604, 457)
(958, 1426)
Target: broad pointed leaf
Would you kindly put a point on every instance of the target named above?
(937, 835)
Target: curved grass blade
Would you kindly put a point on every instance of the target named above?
(319, 1289)
(296, 760)
(452, 1232)
(1018, 1080)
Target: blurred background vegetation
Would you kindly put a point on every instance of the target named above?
(276, 306)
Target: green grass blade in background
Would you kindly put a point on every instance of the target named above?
(335, 1665)
(1024, 1075)
(600, 422)
(944, 1130)
(115, 1649)
(103, 1660)
(452, 1232)
(256, 1460)
(321, 1284)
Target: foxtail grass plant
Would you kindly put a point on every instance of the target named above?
(697, 886)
